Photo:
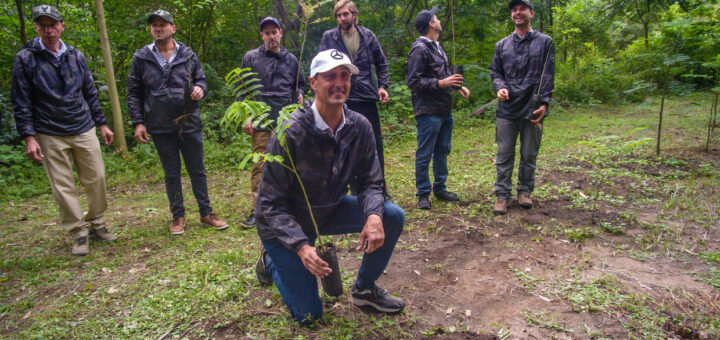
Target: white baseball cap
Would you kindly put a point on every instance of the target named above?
(330, 59)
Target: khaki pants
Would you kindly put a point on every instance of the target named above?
(82, 150)
(259, 142)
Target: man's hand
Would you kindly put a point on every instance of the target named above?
(373, 234)
(384, 96)
(503, 95)
(249, 129)
(312, 262)
(300, 98)
(32, 149)
(107, 134)
(464, 92)
(539, 114)
(197, 93)
(141, 134)
(453, 80)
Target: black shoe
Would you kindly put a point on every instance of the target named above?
(447, 196)
(250, 221)
(424, 202)
(377, 298)
(260, 271)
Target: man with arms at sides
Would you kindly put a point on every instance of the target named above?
(166, 80)
(56, 110)
(517, 66)
(330, 145)
(277, 69)
(365, 52)
(432, 86)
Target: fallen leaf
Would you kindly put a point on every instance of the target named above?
(416, 272)
(449, 310)
(582, 194)
(147, 250)
(105, 270)
(468, 313)
(27, 315)
(527, 270)
(112, 290)
(268, 303)
(133, 270)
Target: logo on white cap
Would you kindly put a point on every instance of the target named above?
(330, 59)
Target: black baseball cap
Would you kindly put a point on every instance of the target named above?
(47, 11)
(422, 20)
(269, 20)
(162, 14)
(513, 3)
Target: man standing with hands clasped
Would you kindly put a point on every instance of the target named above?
(166, 80)
(432, 87)
(519, 62)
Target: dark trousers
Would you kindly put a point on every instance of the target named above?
(169, 147)
(506, 135)
(434, 135)
(299, 288)
(370, 111)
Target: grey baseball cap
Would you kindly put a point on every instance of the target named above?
(514, 3)
(422, 19)
(165, 15)
(47, 11)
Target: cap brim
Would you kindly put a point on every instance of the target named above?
(353, 69)
(49, 16)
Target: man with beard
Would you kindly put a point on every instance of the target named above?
(277, 69)
(519, 62)
(432, 85)
(330, 145)
(364, 50)
(56, 110)
(166, 80)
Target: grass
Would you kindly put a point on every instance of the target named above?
(597, 172)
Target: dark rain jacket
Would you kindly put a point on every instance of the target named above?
(517, 65)
(426, 67)
(326, 166)
(277, 73)
(51, 96)
(157, 96)
(369, 53)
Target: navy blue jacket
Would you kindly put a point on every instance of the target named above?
(51, 96)
(326, 166)
(369, 53)
(517, 65)
(157, 96)
(426, 66)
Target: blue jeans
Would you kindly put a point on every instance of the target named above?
(169, 147)
(434, 134)
(299, 288)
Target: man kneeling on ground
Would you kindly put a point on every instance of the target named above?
(330, 145)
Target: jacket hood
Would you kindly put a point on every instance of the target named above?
(33, 45)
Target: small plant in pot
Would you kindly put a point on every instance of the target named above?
(245, 85)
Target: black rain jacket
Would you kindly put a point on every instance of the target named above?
(426, 66)
(157, 96)
(326, 166)
(51, 96)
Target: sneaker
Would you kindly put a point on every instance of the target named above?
(263, 276)
(102, 234)
(213, 221)
(250, 221)
(377, 298)
(81, 246)
(500, 207)
(447, 196)
(178, 226)
(424, 202)
(525, 201)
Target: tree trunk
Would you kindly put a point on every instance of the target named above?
(288, 24)
(206, 29)
(21, 17)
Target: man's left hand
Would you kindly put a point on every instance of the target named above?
(384, 96)
(300, 98)
(464, 92)
(539, 114)
(107, 134)
(372, 234)
(197, 93)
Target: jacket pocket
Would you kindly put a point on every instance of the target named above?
(162, 107)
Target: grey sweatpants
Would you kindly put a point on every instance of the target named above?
(506, 135)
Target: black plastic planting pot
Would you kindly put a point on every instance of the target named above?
(332, 284)
(457, 69)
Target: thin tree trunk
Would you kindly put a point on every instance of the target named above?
(206, 29)
(662, 106)
(21, 17)
(713, 110)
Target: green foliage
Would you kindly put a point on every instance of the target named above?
(19, 176)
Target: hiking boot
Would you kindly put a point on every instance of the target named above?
(178, 226)
(261, 272)
(446, 196)
(213, 221)
(500, 207)
(525, 201)
(424, 202)
(102, 234)
(81, 246)
(249, 222)
(377, 298)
